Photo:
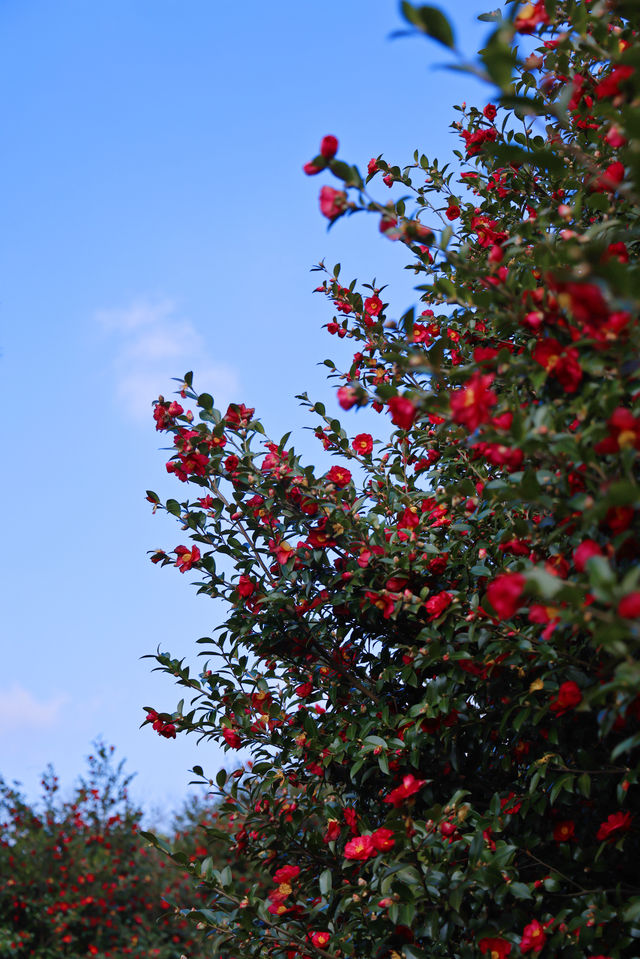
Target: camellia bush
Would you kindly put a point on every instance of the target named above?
(430, 653)
(77, 880)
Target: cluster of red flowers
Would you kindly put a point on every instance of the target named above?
(76, 879)
(369, 844)
(430, 647)
(163, 728)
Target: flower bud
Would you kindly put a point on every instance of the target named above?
(329, 147)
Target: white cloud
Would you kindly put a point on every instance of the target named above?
(153, 345)
(19, 709)
(137, 314)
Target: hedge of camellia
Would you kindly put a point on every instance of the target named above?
(431, 648)
(76, 879)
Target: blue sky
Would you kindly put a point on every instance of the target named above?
(157, 220)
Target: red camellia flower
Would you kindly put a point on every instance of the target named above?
(629, 606)
(339, 476)
(453, 212)
(351, 819)
(347, 397)
(373, 305)
(360, 847)
(194, 463)
(320, 939)
(610, 180)
(471, 405)
(505, 594)
(285, 874)
(437, 604)
(164, 415)
(569, 696)
(564, 831)
(384, 601)
(544, 614)
(332, 831)
(281, 550)
(311, 168)
(383, 839)
(332, 202)
(186, 557)
(559, 362)
(486, 230)
(533, 937)
(619, 518)
(362, 443)
(438, 564)
(490, 113)
(610, 86)
(261, 701)
(168, 730)
(529, 17)
(328, 147)
(231, 738)
(410, 786)
(614, 824)
(624, 432)
(495, 948)
(403, 412)
(583, 553)
(475, 140)
(277, 907)
(246, 587)
(238, 414)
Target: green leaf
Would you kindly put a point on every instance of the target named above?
(205, 400)
(600, 573)
(564, 782)
(444, 285)
(455, 899)
(446, 235)
(499, 57)
(520, 890)
(325, 882)
(626, 745)
(584, 784)
(529, 105)
(340, 169)
(156, 841)
(545, 159)
(476, 847)
(632, 912)
(431, 21)
(407, 321)
(546, 584)
(376, 741)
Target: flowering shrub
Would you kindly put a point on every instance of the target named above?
(77, 880)
(430, 650)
